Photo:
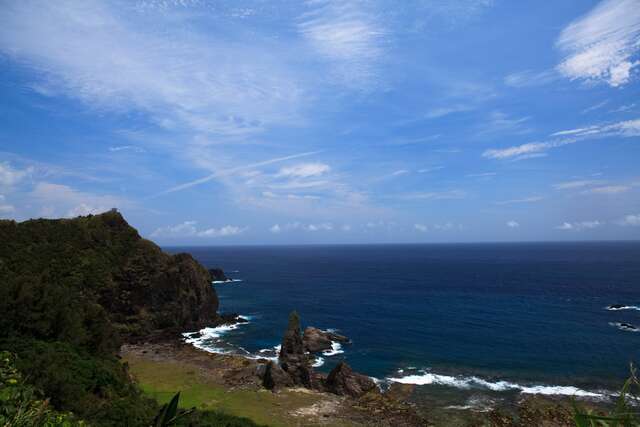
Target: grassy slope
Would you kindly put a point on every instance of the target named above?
(162, 379)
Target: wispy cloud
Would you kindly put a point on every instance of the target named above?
(572, 185)
(421, 228)
(608, 189)
(530, 78)
(434, 195)
(499, 122)
(579, 226)
(5, 208)
(111, 58)
(63, 200)
(513, 224)
(630, 220)
(603, 44)
(624, 129)
(190, 229)
(231, 171)
(10, 176)
(348, 34)
(436, 113)
(304, 170)
(595, 107)
(531, 199)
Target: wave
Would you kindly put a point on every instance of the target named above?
(462, 382)
(625, 326)
(317, 362)
(217, 282)
(336, 348)
(209, 339)
(618, 307)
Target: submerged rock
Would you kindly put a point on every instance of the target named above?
(293, 358)
(343, 381)
(316, 340)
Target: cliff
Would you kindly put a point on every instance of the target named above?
(91, 279)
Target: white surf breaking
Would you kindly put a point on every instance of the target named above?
(462, 382)
(336, 348)
(217, 282)
(209, 339)
(619, 307)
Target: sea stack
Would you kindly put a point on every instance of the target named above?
(293, 358)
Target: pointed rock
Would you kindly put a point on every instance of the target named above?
(293, 359)
(343, 381)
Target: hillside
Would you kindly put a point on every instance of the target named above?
(71, 292)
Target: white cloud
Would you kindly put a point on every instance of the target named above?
(325, 226)
(530, 78)
(400, 172)
(436, 113)
(116, 57)
(603, 44)
(349, 35)
(571, 185)
(578, 226)
(447, 226)
(421, 228)
(531, 199)
(131, 148)
(499, 122)
(5, 208)
(304, 170)
(624, 129)
(608, 189)
(513, 224)
(10, 176)
(190, 229)
(430, 169)
(62, 200)
(434, 195)
(630, 220)
(275, 228)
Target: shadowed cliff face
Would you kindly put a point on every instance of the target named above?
(62, 278)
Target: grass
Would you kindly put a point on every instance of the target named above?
(162, 379)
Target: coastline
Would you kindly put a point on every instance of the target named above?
(228, 382)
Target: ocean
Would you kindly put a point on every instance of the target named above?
(468, 320)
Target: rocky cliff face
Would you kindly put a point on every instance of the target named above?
(81, 274)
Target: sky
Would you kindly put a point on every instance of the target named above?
(294, 122)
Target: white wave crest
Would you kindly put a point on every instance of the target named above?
(217, 282)
(624, 326)
(623, 307)
(208, 339)
(318, 361)
(336, 348)
(427, 378)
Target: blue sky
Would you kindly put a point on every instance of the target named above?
(247, 122)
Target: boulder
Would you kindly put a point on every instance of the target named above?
(316, 340)
(274, 377)
(343, 381)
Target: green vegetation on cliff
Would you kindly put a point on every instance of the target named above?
(71, 290)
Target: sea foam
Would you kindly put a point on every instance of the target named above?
(470, 382)
(336, 348)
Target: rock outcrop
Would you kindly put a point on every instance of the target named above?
(98, 271)
(217, 274)
(292, 358)
(316, 340)
(343, 381)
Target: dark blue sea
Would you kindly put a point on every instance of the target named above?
(503, 318)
